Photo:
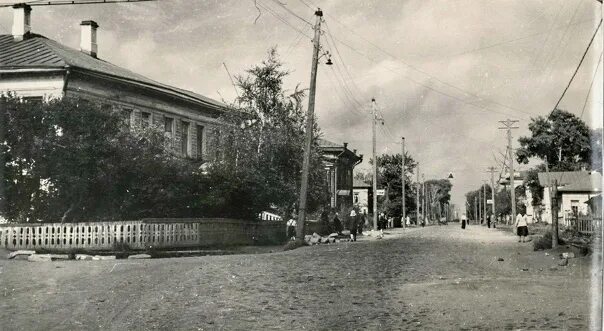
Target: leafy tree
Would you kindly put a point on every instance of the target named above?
(71, 159)
(438, 194)
(389, 177)
(263, 148)
(561, 138)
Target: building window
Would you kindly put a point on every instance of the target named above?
(184, 139)
(126, 115)
(35, 100)
(146, 119)
(169, 127)
(199, 141)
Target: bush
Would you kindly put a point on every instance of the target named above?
(545, 241)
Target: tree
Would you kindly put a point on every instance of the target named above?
(389, 177)
(561, 138)
(263, 147)
(72, 159)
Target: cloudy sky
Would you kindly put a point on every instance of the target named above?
(443, 72)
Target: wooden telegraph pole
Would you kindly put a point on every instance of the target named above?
(403, 181)
(417, 187)
(484, 196)
(555, 214)
(374, 163)
(479, 207)
(492, 170)
(509, 125)
(309, 129)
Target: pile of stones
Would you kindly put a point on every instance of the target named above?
(316, 239)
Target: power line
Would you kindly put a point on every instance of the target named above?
(529, 36)
(71, 2)
(292, 12)
(591, 85)
(418, 69)
(282, 19)
(578, 66)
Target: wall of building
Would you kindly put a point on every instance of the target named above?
(47, 85)
(361, 196)
(138, 101)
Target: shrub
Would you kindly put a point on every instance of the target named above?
(545, 241)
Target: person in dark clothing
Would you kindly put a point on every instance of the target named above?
(463, 221)
(353, 224)
(489, 218)
(325, 228)
(362, 220)
(337, 224)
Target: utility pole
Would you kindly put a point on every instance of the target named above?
(309, 130)
(509, 125)
(484, 196)
(417, 187)
(374, 170)
(424, 201)
(555, 214)
(492, 170)
(403, 181)
(479, 207)
(475, 209)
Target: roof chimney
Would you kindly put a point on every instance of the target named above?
(21, 21)
(88, 38)
(345, 145)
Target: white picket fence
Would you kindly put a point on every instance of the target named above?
(142, 234)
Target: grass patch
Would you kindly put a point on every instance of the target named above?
(293, 244)
(545, 241)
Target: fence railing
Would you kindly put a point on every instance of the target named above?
(139, 235)
(583, 224)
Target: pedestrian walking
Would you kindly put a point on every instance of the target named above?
(353, 224)
(489, 219)
(337, 224)
(325, 228)
(291, 229)
(464, 220)
(521, 227)
(362, 220)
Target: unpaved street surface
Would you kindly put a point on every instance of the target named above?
(437, 277)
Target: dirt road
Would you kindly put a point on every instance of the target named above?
(425, 278)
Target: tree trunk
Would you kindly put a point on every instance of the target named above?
(68, 213)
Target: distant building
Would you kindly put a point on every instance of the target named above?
(519, 178)
(362, 195)
(339, 163)
(37, 68)
(575, 190)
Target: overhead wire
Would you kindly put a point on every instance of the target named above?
(282, 5)
(282, 19)
(578, 66)
(419, 69)
(590, 86)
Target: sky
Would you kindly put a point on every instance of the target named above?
(443, 73)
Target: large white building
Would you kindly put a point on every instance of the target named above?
(35, 67)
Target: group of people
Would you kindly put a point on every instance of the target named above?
(521, 224)
(490, 219)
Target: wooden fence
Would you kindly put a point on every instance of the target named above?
(583, 224)
(140, 235)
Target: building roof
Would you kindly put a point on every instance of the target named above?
(358, 183)
(323, 143)
(39, 52)
(573, 181)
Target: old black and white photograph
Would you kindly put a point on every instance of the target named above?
(301, 165)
